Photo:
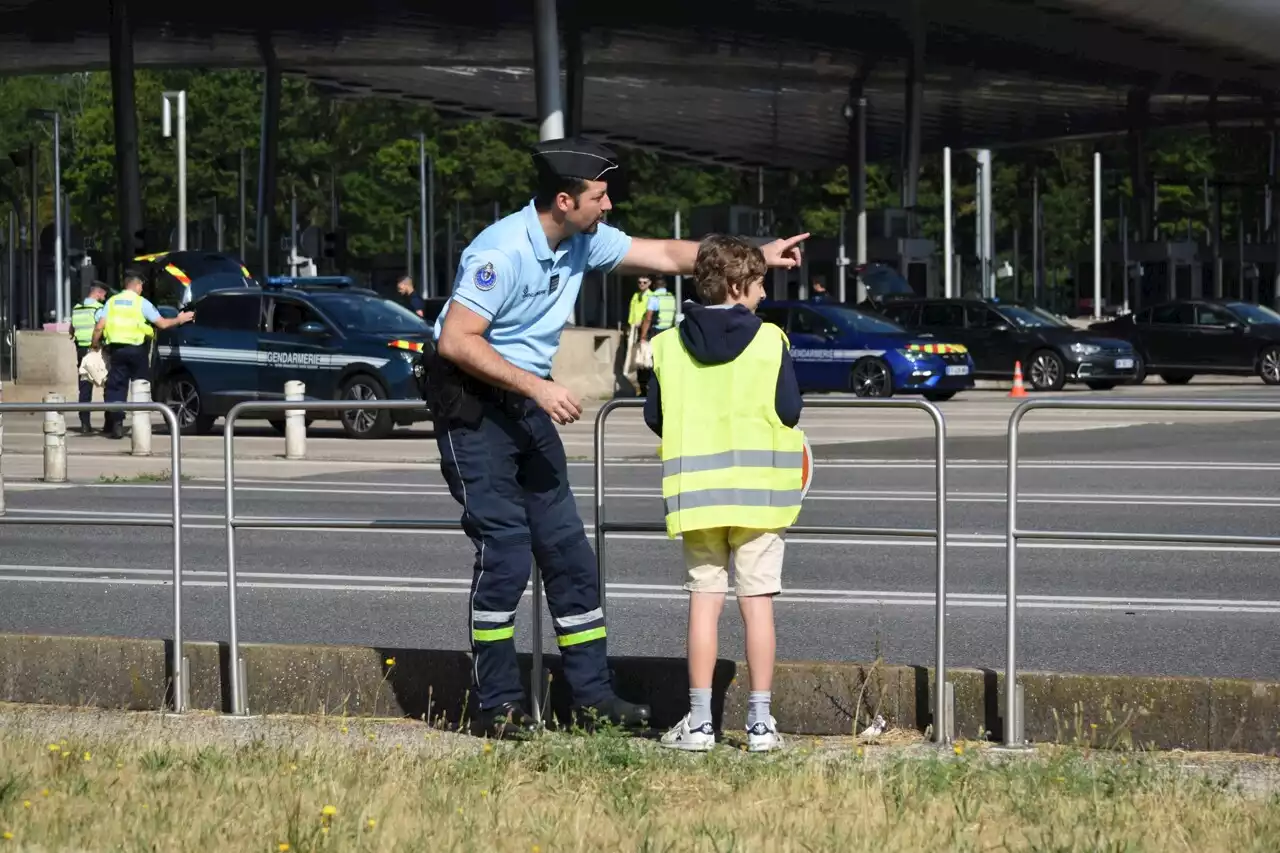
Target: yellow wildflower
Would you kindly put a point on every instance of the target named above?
(344, 730)
(53, 747)
(283, 847)
(390, 661)
(44, 792)
(88, 756)
(959, 748)
(329, 811)
(488, 748)
(26, 804)
(7, 836)
(372, 823)
(484, 794)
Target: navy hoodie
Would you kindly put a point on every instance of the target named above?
(717, 335)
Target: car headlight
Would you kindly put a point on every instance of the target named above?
(407, 355)
(1085, 349)
(912, 354)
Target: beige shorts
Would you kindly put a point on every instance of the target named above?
(757, 560)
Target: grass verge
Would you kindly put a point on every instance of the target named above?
(353, 789)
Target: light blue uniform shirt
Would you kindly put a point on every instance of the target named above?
(149, 312)
(512, 277)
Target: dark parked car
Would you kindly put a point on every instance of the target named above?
(999, 334)
(342, 342)
(1179, 339)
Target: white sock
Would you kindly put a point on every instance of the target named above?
(699, 706)
(758, 707)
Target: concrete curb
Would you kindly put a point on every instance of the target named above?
(809, 698)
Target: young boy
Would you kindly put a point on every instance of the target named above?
(725, 401)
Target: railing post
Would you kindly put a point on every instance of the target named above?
(140, 432)
(238, 706)
(944, 725)
(1013, 727)
(295, 422)
(181, 668)
(55, 441)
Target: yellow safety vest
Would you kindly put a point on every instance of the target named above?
(666, 309)
(82, 322)
(639, 304)
(727, 459)
(125, 324)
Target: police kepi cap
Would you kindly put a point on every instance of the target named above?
(574, 158)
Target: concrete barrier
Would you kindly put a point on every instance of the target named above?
(809, 698)
(45, 359)
(55, 441)
(588, 362)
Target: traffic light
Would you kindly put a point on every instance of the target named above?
(334, 248)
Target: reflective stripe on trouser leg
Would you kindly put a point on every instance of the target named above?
(496, 526)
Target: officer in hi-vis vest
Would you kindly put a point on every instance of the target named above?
(82, 323)
(660, 315)
(125, 324)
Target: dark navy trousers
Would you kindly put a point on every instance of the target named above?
(86, 385)
(126, 363)
(510, 476)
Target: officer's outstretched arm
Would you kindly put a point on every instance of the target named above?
(462, 342)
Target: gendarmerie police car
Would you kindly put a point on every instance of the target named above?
(245, 343)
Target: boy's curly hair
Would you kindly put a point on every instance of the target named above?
(725, 265)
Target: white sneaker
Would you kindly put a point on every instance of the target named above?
(764, 737)
(699, 739)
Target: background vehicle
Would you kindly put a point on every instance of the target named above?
(1179, 339)
(999, 334)
(169, 274)
(837, 348)
(245, 343)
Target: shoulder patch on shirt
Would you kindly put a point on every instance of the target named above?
(486, 278)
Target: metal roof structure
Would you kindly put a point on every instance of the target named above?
(756, 82)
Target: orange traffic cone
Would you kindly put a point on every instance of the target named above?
(1018, 390)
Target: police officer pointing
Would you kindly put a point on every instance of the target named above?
(496, 407)
(125, 324)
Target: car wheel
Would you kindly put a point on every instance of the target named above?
(1176, 378)
(1101, 385)
(1046, 371)
(871, 377)
(1139, 371)
(938, 396)
(181, 394)
(1269, 365)
(365, 423)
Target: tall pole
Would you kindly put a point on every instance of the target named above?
(58, 272)
(425, 287)
(240, 245)
(842, 260)
(181, 98)
(948, 249)
(1097, 235)
(546, 58)
(1124, 250)
(408, 245)
(1037, 284)
(33, 240)
(675, 233)
(293, 230)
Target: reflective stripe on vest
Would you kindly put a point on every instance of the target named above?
(666, 310)
(727, 460)
(82, 321)
(125, 324)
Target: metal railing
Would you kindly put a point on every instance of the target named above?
(944, 717)
(1014, 733)
(178, 673)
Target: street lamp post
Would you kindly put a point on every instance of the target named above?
(61, 294)
(181, 98)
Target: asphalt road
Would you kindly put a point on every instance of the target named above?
(1085, 607)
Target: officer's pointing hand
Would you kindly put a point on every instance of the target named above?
(558, 402)
(186, 316)
(784, 253)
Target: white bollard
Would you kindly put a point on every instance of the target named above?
(55, 442)
(295, 422)
(140, 392)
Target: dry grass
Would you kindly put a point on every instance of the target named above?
(419, 790)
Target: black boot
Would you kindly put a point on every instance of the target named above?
(508, 721)
(612, 711)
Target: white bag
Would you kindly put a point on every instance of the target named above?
(94, 368)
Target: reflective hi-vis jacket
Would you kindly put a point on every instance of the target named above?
(125, 324)
(727, 459)
(82, 322)
(666, 309)
(639, 306)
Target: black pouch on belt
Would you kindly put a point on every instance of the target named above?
(451, 395)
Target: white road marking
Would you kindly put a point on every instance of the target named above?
(799, 595)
